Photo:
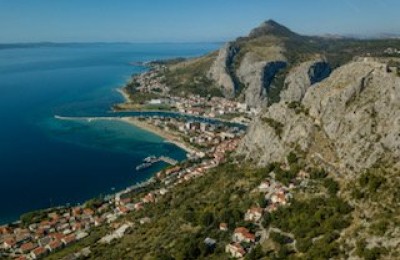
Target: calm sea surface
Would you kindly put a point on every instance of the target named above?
(46, 162)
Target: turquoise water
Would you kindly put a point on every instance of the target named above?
(47, 162)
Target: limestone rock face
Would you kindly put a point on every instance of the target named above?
(219, 71)
(265, 143)
(257, 76)
(355, 112)
(304, 76)
(358, 108)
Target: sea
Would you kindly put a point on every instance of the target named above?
(47, 162)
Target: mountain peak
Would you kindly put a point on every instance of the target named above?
(271, 27)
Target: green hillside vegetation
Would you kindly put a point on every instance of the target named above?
(190, 77)
(313, 223)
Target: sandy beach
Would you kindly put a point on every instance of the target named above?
(169, 137)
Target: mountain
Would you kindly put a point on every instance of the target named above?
(253, 69)
(271, 27)
(319, 163)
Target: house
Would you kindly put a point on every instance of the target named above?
(81, 235)
(54, 245)
(138, 206)
(264, 186)
(125, 201)
(88, 212)
(38, 252)
(223, 226)
(172, 170)
(98, 221)
(155, 102)
(44, 241)
(27, 247)
(242, 234)
(57, 236)
(144, 220)
(9, 243)
(303, 175)
(68, 239)
(76, 211)
(163, 191)
(279, 198)
(123, 210)
(77, 226)
(272, 207)
(253, 214)
(4, 230)
(149, 198)
(235, 250)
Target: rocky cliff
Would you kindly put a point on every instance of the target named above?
(269, 64)
(257, 75)
(220, 72)
(300, 78)
(351, 121)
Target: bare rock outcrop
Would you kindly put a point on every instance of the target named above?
(257, 75)
(219, 71)
(304, 76)
(275, 133)
(358, 108)
(355, 112)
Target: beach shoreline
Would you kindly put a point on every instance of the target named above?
(170, 138)
(123, 94)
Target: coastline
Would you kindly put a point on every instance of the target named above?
(123, 94)
(142, 125)
(167, 136)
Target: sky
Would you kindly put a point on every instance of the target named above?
(187, 20)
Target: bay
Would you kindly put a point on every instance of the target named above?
(46, 162)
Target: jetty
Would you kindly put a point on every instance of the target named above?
(168, 160)
(149, 161)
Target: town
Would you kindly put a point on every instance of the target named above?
(61, 227)
(50, 230)
(156, 96)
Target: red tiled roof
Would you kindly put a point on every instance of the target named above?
(58, 236)
(27, 247)
(88, 211)
(249, 236)
(10, 241)
(256, 210)
(55, 244)
(39, 251)
(123, 209)
(238, 248)
(241, 230)
(69, 239)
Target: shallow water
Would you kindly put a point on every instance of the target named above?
(47, 162)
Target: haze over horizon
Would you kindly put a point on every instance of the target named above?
(184, 21)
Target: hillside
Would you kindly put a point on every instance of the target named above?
(254, 68)
(317, 175)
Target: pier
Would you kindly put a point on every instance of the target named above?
(149, 161)
(168, 160)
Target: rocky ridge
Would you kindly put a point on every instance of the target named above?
(350, 120)
(219, 71)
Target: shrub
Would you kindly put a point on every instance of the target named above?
(277, 126)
